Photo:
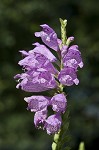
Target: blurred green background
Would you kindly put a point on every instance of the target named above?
(18, 21)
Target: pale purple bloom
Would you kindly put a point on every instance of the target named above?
(48, 36)
(68, 76)
(50, 67)
(36, 81)
(42, 49)
(64, 50)
(35, 61)
(40, 74)
(37, 103)
(53, 124)
(40, 117)
(59, 103)
(73, 58)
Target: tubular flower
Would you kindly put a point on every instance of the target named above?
(43, 71)
(37, 103)
(73, 58)
(36, 81)
(58, 103)
(35, 61)
(48, 36)
(53, 124)
(42, 49)
(68, 77)
(40, 117)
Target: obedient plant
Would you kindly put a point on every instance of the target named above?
(45, 71)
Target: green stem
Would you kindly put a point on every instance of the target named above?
(58, 136)
(81, 146)
(55, 142)
(64, 39)
(62, 138)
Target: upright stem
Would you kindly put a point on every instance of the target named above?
(64, 39)
(81, 146)
(56, 138)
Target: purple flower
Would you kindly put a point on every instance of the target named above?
(73, 58)
(48, 36)
(53, 124)
(68, 76)
(42, 49)
(37, 103)
(35, 61)
(40, 117)
(64, 48)
(59, 103)
(36, 81)
(43, 71)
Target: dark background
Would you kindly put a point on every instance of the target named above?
(18, 21)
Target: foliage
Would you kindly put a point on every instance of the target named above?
(64, 138)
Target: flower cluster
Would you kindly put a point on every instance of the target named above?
(40, 74)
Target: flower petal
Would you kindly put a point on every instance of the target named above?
(68, 76)
(53, 124)
(59, 102)
(37, 103)
(48, 36)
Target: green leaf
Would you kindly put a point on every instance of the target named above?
(65, 139)
(67, 148)
(64, 136)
